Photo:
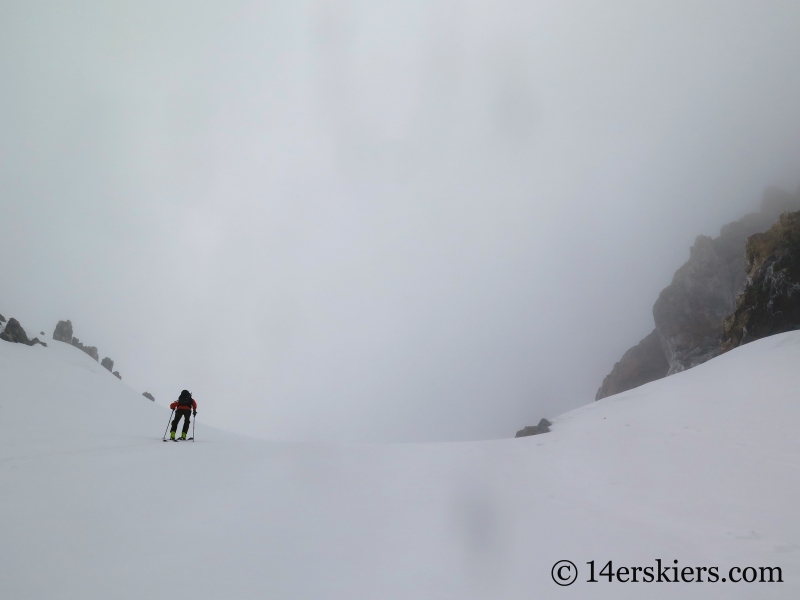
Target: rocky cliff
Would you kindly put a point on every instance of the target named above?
(641, 364)
(689, 313)
(770, 302)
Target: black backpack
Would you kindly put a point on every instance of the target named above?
(185, 400)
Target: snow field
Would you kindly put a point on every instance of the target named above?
(703, 467)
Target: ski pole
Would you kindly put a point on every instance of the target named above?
(194, 418)
(164, 437)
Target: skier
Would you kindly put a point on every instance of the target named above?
(183, 407)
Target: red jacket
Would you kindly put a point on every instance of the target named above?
(175, 406)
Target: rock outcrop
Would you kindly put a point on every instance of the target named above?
(2, 319)
(15, 334)
(770, 302)
(149, 396)
(689, 313)
(542, 427)
(90, 350)
(63, 332)
(643, 363)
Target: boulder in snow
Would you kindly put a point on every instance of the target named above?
(149, 396)
(117, 375)
(107, 363)
(542, 427)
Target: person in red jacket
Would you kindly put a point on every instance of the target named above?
(183, 407)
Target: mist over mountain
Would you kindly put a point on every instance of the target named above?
(407, 221)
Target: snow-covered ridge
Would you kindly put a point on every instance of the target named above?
(701, 467)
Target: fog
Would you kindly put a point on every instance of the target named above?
(378, 221)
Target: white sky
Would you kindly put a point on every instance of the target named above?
(378, 220)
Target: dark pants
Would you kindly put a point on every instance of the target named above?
(181, 412)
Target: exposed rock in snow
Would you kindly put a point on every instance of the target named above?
(149, 396)
(117, 375)
(15, 333)
(63, 332)
(90, 350)
(2, 319)
(542, 427)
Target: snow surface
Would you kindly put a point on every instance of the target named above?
(702, 467)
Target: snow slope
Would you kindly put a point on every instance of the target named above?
(702, 467)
